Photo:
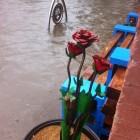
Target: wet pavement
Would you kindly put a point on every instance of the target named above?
(33, 61)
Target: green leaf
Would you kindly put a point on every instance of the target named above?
(99, 92)
(80, 81)
(79, 45)
(98, 89)
(75, 81)
(66, 52)
(65, 131)
(71, 91)
(80, 122)
(79, 135)
(94, 67)
(84, 102)
(67, 112)
(63, 92)
(72, 98)
(64, 108)
(69, 54)
(102, 94)
(69, 97)
(84, 122)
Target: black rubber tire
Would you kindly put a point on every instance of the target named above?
(60, 15)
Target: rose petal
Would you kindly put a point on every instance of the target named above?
(74, 49)
(82, 40)
(84, 37)
(101, 64)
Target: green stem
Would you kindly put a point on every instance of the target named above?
(78, 124)
(67, 109)
(77, 88)
(69, 75)
(92, 81)
(78, 74)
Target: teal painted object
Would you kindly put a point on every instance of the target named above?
(125, 30)
(103, 131)
(132, 14)
(85, 86)
(99, 117)
(120, 56)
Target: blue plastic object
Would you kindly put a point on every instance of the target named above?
(132, 14)
(120, 56)
(85, 86)
(94, 128)
(103, 131)
(98, 126)
(98, 116)
(125, 30)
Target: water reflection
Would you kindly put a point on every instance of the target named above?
(59, 30)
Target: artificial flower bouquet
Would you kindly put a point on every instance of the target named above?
(78, 104)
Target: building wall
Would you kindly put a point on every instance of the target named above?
(126, 124)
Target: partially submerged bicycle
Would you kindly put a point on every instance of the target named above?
(57, 11)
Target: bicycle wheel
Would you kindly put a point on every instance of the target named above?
(57, 14)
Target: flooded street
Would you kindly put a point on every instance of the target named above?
(33, 61)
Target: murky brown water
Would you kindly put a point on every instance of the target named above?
(33, 60)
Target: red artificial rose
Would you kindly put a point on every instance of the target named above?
(85, 38)
(73, 49)
(101, 64)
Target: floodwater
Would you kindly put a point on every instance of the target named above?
(33, 61)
